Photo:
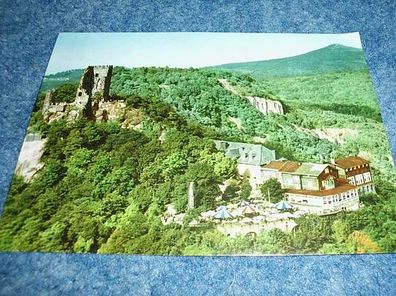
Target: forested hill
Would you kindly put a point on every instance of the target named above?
(329, 59)
(54, 80)
(333, 58)
(103, 188)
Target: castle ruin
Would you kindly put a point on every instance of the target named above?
(52, 111)
(94, 86)
(92, 99)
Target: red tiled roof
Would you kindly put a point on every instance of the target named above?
(290, 166)
(339, 189)
(274, 164)
(342, 181)
(351, 161)
(283, 166)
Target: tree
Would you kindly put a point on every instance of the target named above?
(79, 161)
(119, 181)
(340, 231)
(246, 189)
(206, 184)
(65, 93)
(362, 243)
(272, 189)
(224, 167)
(231, 191)
(173, 165)
(313, 231)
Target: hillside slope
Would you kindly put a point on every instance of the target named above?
(105, 189)
(54, 80)
(333, 58)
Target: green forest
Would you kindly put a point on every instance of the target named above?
(103, 188)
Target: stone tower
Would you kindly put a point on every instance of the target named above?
(191, 198)
(102, 80)
(94, 85)
(47, 102)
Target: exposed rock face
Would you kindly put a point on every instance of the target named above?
(334, 135)
(265, 106)
(29, 159)
(117, 110)
(236, 121)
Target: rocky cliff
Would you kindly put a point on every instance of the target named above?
(265, 106)
(29, 158)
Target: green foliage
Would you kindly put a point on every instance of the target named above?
(231, 191)
(312, 232)
(272, 189)
(333, 58)
(52, 81)
(103, 188)
(246, 189)
(65, 93)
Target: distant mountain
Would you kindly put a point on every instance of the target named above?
(332, 58)
(54, 80)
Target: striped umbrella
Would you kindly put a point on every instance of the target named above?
(222, 213)
(283, 205)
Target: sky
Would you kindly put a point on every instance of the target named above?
(183, 50)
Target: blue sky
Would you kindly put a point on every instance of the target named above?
(183, 50)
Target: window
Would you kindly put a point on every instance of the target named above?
(79, 93)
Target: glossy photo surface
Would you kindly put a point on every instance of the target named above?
(204, 144)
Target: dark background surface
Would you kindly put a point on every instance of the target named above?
(28, 31)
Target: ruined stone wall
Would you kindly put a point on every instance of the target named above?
(47, 102)
(102, 81)
(93, 101)
(94, 87)
(84, 93)
(52, 111)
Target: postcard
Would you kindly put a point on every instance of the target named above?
(204, 144)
